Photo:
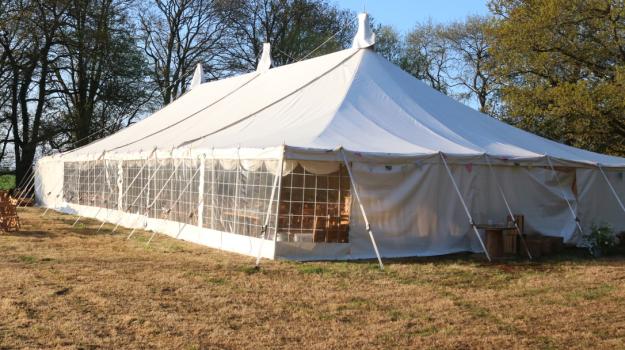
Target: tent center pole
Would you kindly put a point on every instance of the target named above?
(362, 209)
(464, 205)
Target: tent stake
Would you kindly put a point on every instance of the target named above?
(505, 200)
(611, 187)
(555, 174)
(362, 210)
(464, 205)
(268, 215)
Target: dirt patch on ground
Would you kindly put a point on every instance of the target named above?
(72, 287)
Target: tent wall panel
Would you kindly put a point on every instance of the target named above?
(597, 203)
(414, 210)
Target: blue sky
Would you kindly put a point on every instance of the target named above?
(403, 14)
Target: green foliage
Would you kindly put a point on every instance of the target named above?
(562, 64)
(600, 239)
(7, 182)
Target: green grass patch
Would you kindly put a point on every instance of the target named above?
(28, 259)
(312, 269)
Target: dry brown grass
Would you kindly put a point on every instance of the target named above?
(64, 287)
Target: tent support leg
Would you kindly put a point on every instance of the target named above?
(464, 205)
(505, 200)
(555, 174)
(362, 210)
(269, 207)
(618, 199)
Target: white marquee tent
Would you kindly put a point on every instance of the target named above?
(267, 162)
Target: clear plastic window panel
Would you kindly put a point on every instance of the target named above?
(315, 208)
(70, 182)
(173, 190)
(110, 189)
(135, 191)
(237, 197)
(88, 176)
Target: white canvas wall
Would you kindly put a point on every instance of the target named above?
(415, 211)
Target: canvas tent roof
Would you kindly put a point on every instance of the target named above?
(354, 99)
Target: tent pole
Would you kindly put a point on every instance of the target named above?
(200, 190)
(464, 205)
(505, 200)
(620, 203)
(268, 215)
(121, 198)
(176, 202)
(362, 210)
(277, 221)
(237, 185)
(212, 226)
(555, 174)
(148, 204)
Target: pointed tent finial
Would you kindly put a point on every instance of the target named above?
(365, 37)
(265, 59)
(198, 77)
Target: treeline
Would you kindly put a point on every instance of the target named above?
(73, 71)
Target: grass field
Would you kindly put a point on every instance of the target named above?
(64, 287)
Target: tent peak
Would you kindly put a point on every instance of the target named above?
(265, 60)
(198, 77)
(365, 37)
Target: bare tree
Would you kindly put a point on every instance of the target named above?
(427, 56)
(472, 61)
(29, 32)
(177, 35)
(99, 74)
(296, 29)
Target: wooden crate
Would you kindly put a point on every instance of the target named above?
(534, 245)
(494, 243)
(510, 242)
